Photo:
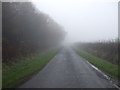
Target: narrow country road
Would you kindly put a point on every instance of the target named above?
(67, 70)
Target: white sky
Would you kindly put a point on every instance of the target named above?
(83, 20)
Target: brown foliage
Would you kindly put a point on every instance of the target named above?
(107, 50)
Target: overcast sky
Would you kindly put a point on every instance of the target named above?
(83, 20)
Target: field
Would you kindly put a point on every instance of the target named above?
(106, 50)
(17, 71)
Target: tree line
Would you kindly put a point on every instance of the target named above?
(26, 30)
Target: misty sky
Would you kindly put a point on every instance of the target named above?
(83, 20)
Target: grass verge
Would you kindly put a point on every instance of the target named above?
(13, 75)
(109, 68)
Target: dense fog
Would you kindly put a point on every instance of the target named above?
(83, 20)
